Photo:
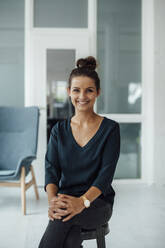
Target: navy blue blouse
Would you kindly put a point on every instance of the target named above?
(74, 169)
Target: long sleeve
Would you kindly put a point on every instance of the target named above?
(109, 160)
(52, 168)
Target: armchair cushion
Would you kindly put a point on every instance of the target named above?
(6, 173)
(18, 140)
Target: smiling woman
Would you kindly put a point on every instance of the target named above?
(80, 163)
(83, 92)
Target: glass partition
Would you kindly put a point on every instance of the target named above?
(60, 62)
(119, 55)
(129, 164)
(12, 53)
(61, 14)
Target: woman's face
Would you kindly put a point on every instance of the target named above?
(83, 93)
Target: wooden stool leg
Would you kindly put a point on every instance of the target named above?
(34, 182)
(100, 238)
(23, 190)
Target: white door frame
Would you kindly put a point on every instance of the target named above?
(84, 42)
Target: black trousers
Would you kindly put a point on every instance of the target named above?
(67, 234)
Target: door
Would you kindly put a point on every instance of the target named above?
(53, 57)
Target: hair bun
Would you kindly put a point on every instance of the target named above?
(88, 63)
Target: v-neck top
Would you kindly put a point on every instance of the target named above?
(74, 168)
(91, 140)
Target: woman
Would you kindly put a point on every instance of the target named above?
(80, 163)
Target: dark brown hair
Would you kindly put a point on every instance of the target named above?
(86, 67)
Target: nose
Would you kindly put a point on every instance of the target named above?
(82, 95)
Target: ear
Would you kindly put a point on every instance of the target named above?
(99, 91)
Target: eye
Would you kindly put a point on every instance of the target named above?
(75, 90)
(90, 90)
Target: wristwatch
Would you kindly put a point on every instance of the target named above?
(86, 202)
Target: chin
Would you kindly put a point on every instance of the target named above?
(84, 109)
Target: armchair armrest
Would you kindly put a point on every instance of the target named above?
(24, 161)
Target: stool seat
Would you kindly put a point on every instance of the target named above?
(97, 233)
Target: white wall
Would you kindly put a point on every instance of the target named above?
(159, 89)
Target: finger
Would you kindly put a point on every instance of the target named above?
(62, 203)
(52, 219)
(54, 209)
(53, 202)
(68, 217)
(58, 205)
(57, 216)
(65, 200)
(50, 214)
(50, 211)
(62, 212)
(54, 199)
(59, 208)
(65, 196)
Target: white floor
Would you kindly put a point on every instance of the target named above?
(138, 219)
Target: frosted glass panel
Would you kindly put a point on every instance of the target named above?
(59, 66)
(119, 55)
(12, 52)
(63, 13)
(129, 164)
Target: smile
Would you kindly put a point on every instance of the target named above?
(82, 102)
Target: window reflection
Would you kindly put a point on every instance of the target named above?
(129, 164)
(134, 96)
(58, 102)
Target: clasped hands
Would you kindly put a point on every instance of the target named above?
(64, 205)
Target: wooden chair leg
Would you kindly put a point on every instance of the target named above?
(23, 190)
(34, 182)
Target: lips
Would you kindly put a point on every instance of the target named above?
(82, 102)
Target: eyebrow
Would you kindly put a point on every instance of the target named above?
(79, 88)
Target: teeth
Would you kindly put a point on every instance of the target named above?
(82, 102)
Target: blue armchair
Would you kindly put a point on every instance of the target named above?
(18, 148)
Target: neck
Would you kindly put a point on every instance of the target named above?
(84, 117)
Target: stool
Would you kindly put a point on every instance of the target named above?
(98, 234)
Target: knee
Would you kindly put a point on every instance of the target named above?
(54, 235)
(73, 238)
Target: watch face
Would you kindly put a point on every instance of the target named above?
(87, 203)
